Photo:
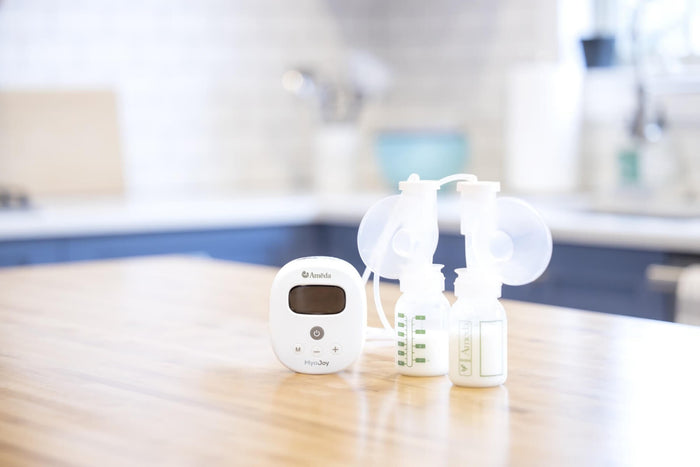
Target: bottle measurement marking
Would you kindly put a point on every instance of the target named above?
(407, 351)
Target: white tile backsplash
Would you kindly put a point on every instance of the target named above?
(198, 83)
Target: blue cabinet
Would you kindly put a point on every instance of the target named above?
(20, 253)
(610, 280)
(268, 245)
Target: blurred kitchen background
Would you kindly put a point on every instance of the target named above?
(261, 131)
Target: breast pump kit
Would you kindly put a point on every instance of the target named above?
(318, 308)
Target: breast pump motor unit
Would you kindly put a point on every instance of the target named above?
(318, 313)
(506, 241)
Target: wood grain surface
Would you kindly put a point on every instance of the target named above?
(167, 361)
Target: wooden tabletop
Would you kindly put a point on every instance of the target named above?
(168, 361)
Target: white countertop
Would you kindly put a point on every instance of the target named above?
(570, 221)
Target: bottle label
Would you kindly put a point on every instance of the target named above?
(481, 343)
(491, 348)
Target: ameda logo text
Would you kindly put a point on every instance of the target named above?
(315, 275)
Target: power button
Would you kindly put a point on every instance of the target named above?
(316, 333)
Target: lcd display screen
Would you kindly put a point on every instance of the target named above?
(317, 299)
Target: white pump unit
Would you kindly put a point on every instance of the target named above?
(318, 313)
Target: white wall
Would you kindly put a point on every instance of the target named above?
(198, 82)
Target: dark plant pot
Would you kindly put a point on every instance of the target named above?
(599, 51)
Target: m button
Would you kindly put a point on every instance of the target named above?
(316, 333)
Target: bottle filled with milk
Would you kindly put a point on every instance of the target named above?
(478, 329)
(421, 322)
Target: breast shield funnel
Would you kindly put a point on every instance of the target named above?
(400, 229)
(503, 235)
